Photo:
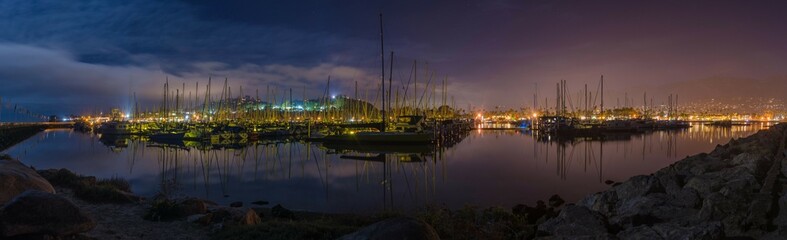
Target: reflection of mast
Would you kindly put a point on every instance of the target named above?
(601, 161)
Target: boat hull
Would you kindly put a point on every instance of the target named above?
(379, 138)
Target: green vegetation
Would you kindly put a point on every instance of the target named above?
(113, 190)
(471, 223)
(163, 210)
(466, 223)
(286, 230)
(116, 183)
(305, 226)
(102, 194)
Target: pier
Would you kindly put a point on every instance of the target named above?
(13, 133)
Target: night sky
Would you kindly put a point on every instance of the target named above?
(60, 57)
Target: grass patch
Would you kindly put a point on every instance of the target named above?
(65, 178)
(163, 210)
(473, 223)
(103, 194)
(307, 226)
(287, 230)
(116, 183)
(465, 223)
(113, 190)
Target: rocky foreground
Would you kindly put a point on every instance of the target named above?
(735, 192)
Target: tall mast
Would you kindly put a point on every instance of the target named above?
(415, 86)
(676, 106)
(382, 68)
(602, 95)
(390, 77)
(535, 98)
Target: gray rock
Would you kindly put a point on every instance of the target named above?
(776, 235)
(281, 212)
(674, 214)
(191, 206)
(639, 233)
(683, 166)
(638, 186)
(704, 184)
(781, 219)
(784, 166)
(532, 214)
(37, 212)
(641, 205)
(715, 207)
(686, 198)
(576, 222)
(758, 211)
(395, 229)
(603, 202)
(738, 188)
(16, 178)
(670, 180)
(699, 164)
(556, 201)
(250, 218)
(707, 231)
(227, 215)
(754, 162)
(649, 210)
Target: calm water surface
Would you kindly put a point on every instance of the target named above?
(488, 168)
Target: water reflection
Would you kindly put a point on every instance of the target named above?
(486, 168)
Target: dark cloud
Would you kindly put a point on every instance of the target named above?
(491, 51)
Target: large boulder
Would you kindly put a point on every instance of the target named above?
(603, 202)
(638, 186)
(637, 210)
(395, 228)
(670, 180)
(250, 218)
(705, 184)
(191, 206)
(16, 178)
(37, 212)
(708, 231)
(686, 197)
(576, 222)
(280, 211)
(756, 163)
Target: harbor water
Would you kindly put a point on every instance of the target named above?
(487, 168)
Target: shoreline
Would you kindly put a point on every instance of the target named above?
(736, 190)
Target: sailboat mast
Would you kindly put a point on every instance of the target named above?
(390, 79)
(382, 68)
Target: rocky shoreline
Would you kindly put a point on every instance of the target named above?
(736, 191)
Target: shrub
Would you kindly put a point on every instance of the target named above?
(103, 194)
(285, 229)
(113, 190)
(116, 183)
(163, 210)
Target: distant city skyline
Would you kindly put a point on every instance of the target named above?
(74, 57)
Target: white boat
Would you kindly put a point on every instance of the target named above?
(114, 128)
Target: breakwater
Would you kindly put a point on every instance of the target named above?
(13, 133)
(736, 190)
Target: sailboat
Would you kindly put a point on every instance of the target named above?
(409, 129)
